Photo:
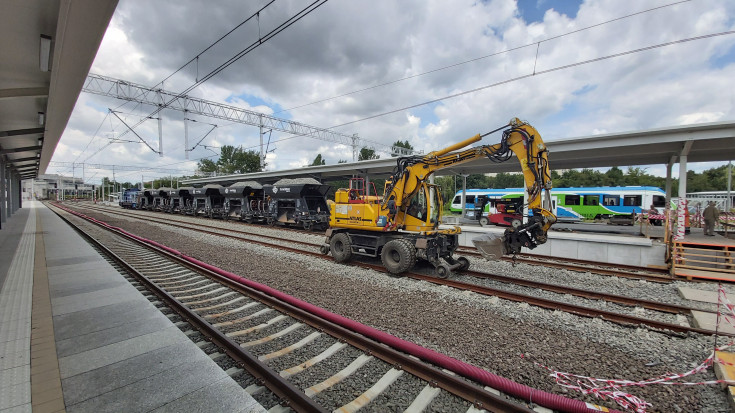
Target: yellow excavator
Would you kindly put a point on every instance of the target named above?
(403, 225)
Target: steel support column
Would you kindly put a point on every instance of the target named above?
(682, 205)
(3, 192)
(464, 195)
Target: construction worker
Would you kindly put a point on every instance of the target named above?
(711, 215)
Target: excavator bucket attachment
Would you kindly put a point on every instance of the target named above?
(491, 246)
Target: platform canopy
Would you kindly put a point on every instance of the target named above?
(47, 49)
(705, 142)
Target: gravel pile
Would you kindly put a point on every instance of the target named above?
(484, 331)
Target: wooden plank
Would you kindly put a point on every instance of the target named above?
(710, 275)
(707, 269)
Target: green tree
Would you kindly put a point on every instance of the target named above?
(207, 165)
(401, 144)
(446, 186)
(367, 153)
(614, 177)
(477, 181)
(237, 161)
(506, 180)
(319, 161)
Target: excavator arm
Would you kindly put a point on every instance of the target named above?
(520, 139)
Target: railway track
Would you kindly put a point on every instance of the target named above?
(294, 357)
(625, 271)
(619, 270)
(616, 317)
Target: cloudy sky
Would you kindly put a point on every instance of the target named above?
(352, 60)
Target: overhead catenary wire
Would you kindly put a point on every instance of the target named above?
(196, 58)
(536, 43)
(515, 79)
(268, 36)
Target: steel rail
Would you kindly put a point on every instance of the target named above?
(584, 266)
(618, 318)
(580, 292)
(626, 271)
(473, 393)
(296, 399)
(570, 308)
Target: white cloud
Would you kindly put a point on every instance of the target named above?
(347, 46)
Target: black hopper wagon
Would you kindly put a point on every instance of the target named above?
(161, 199)
(245, 201)
(199, 202)
(145, 199)
(209, 201)
(298, 202)
(172, 203)
(185, 201)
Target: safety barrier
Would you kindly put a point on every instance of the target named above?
(698, 260)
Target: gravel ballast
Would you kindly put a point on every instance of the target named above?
(484, 331)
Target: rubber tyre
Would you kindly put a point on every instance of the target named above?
(341, 247)
(483, 222)
(465, 263)
(399, 255)
(516, 223)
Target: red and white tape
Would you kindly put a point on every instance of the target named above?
(612, 388)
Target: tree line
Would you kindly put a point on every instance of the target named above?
(235, 160)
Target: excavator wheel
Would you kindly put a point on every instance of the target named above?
(399, 255)
(341, 247)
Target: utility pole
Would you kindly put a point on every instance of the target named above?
(113, 177)
(262, 155)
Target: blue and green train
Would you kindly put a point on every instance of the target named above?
(577, 203)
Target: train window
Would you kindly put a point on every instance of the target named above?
(591, 200)
(610, 200)
(659, 201)
(632, 200)
(469, 199)
(572, 200)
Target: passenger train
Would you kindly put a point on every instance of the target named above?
(576, 203)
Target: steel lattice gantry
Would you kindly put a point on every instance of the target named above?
(124, 90)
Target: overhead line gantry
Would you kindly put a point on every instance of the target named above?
(124, 90)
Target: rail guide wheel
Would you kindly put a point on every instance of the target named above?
(465, 263)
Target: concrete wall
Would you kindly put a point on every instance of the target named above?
(608, 249)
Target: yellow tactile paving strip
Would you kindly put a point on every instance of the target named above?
(46, 394)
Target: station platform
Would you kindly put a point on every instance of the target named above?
(76, 336)
(603, 248)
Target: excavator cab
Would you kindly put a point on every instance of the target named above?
(423, 210)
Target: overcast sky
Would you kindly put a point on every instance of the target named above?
(346, 46)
